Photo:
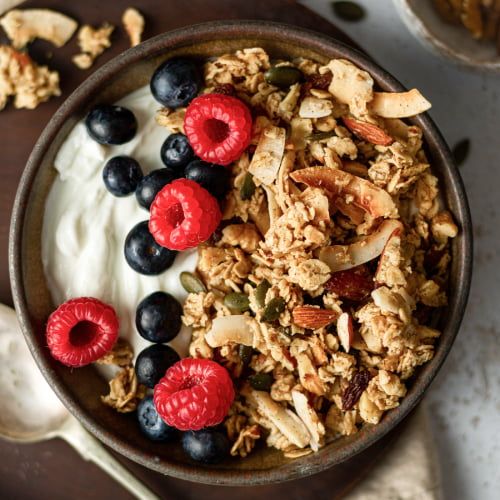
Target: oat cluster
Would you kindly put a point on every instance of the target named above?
(336, 233)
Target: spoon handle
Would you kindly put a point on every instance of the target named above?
(91, 449)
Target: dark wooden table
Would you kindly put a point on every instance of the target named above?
(51, 470)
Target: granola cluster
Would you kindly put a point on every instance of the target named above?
(335, 235)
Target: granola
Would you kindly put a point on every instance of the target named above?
(92, 42)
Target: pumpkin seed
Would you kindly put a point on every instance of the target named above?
(318, 136)
(273, 309)
(237, 301)
(261, 291)
(191, 283)
(245, 352)
(461, 151)
(248, 187)
(349, 11)
(261, 381)
(283, 76)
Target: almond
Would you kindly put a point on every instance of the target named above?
(352, 284)
(368, 131)
(345, 331)
(313, 317)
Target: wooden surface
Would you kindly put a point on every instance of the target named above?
(51, 470)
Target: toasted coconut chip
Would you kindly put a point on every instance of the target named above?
(345, 331)
(341, 257)
(23, 26)
(284, 187)
(355, 214)
(285, 420)
(272, 206)
(390, 258)
(133, 21)
(372, 199)
(399, 104)
(312, 107)
(300, 129)
(310, 418)
(267, 158)
(228, 329)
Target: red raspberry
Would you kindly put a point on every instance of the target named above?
(81, 331)
(183, 215)
(194, 393)
(218, 127)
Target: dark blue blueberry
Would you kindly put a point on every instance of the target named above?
(109, 124)
(152, 184)
(143, 254)
(176, 152)
(121, 175)
(175, 82)
(151, 424)
(208, 446)
(153, 362)
(214, 178)
(158, 317)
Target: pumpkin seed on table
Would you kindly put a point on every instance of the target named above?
(248, 187)
(283, 76)
(348, 11)
(237, 301)
(273, 309)
(261, 291)
(261, 381)
(245, 352)
(191, 283)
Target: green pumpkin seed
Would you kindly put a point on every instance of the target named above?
(283, 76)
(273, 309)
(318, 136)
(237, 301)
(261, 291)
(261, 381)
(245, 352)
(248, 187)
(191, 283)
(461, 151)
(349, 11)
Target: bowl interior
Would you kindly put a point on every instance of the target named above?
(80, 389)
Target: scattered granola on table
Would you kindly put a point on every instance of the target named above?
(92, 42)
(334, 242)
(133, 21)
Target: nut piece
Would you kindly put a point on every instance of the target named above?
(368, 131)
(312, 317)
(399, 104)
(345, 331)
(23, 26)
(227, 329)
(133, 21)
(92, 43)
(443, 227)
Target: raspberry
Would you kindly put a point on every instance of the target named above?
(194, 393)
(218, 127)
(81, 331)
(183, 215)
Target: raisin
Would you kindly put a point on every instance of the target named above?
(225, 89)
(321, 82)
(355, 388)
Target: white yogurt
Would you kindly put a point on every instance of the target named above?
(29, 405)
(85, 227)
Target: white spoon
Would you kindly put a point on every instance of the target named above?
(30, 411)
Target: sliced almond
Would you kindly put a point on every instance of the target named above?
(345, 331)
(267, 158)
(310, 418)
(229, 329)
(23, 26)
(272, 205)
(399, 104)
(313, 317)
(341, 257)
(389, 260)
(374, 200)
(368, 131)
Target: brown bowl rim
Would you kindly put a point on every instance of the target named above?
(221, 30)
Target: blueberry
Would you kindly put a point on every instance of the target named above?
(151, 424)
(109, 124)
(214, 178)
(121, 175)
(175, 82)
(176, 152)
(153, 362)
(152, 184)
(208, 446)
(143, 254)
(158, 317)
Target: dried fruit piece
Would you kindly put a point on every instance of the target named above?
(23, 26)
(133, 21)
(317, 81)
(312, 317)
(353, 284)
(355, 388)
(368, 131)
(273, 309)
(345, 331)
(399, 104)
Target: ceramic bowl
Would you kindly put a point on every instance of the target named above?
(452, 42)
(80, 389)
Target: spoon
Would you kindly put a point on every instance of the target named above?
(30, 411)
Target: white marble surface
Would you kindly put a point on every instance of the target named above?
(465, 397)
